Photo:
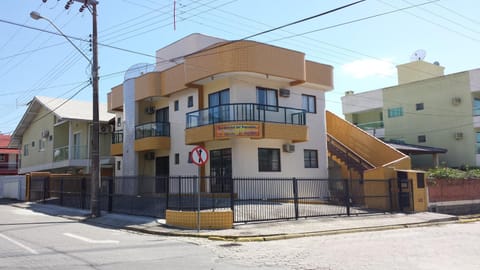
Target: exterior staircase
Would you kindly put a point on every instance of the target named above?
(355, 149)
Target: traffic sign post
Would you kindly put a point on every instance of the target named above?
(199, 156)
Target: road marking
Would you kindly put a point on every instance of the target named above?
(18, 244)
(88, 240)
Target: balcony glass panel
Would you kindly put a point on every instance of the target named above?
(117, 137)
(245, 112)
(78, 152)
(371, 125)
(153, 129)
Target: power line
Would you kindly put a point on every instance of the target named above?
(76, 38)
(435, 23)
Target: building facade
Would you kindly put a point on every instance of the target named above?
(426, 108)
(54, 134)
(8, 157)
(259, 110)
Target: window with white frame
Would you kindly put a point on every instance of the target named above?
(41, 144)
(25, 150)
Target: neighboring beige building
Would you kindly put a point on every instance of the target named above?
(53, 135)
(426, 108)
(258, 109)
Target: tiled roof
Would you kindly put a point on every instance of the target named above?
(67, 109)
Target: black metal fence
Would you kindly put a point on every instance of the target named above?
(250, 199)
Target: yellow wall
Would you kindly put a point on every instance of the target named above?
(241, 56)
(115, 98)
(417, 71)
(366, 146)
(43, 121)
(208, 220)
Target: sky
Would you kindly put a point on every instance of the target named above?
(363, 42)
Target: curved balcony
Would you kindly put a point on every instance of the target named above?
(152, 136)
(249, 120)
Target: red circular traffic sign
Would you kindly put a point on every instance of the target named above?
(199, 155)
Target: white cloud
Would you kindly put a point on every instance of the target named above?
(364, 68)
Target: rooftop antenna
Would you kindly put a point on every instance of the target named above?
(418, 55)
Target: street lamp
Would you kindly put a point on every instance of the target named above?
(36, 16)
(95, 166)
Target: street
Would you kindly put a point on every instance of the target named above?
(32, 240)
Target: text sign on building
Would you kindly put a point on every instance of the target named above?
(237, 130)
(199, 156)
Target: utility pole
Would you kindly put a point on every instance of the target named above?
(91, 5)
(95, 174)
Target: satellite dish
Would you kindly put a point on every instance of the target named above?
(418, 55)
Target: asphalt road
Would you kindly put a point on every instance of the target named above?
(32, 240)
(452, 247)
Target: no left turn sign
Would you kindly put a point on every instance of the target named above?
(199, 155)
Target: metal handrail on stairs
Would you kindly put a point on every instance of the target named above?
(348, 156)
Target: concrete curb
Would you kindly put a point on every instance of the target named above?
(273, 237)
(261, 238)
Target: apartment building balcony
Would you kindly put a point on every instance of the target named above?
(152, 136)
(116, 149)
(375, 128)
(76, 156)
(247, 120)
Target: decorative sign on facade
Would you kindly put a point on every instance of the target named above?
(237, 130)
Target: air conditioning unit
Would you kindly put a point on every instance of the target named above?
(105, 129)
(456, 100)
(289, 148)
(458, 135)
(45, 133)
(284, 92)
(149, 110)
(149, 156)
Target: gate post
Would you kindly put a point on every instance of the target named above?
(83, 192)
(110, 193)
(168, 191)
(180, 193)
(390, 194)
(295, 196)
(347, 196)
(232, 200)
(61, 191)
(45, 181)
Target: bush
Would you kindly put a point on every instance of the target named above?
(450, 173)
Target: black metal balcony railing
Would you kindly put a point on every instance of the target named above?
(245, 112)
(153, 129)
(117, 137)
